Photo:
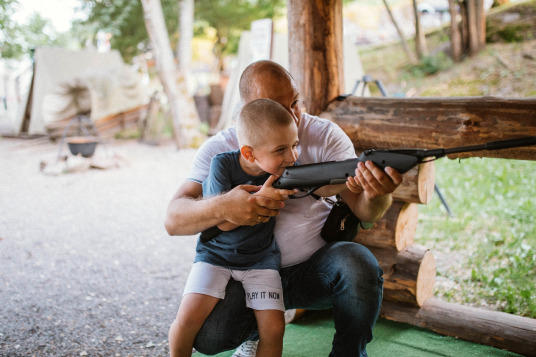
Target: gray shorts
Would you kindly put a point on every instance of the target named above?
(263, 286)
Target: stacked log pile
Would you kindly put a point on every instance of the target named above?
(409, 270)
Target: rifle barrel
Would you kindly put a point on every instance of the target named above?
(494, 145)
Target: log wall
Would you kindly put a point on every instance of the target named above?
(431, 123)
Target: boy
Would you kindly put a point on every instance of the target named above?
(268, 139)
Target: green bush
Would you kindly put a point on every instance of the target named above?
(430, 65)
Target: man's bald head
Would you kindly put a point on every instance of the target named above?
(260, 75)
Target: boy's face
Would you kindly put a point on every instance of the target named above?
(279, 150)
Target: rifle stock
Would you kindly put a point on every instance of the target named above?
(310, 177)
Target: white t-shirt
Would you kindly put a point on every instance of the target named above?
(298, 225)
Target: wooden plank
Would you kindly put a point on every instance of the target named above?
(498, 329)
(431, 123)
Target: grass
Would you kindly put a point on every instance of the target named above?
(485, 252)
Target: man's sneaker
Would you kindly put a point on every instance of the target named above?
(247, 349)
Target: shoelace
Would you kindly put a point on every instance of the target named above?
(247, 349)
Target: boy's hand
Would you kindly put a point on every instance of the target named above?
(267, 190)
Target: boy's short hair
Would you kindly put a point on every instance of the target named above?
(258, 118)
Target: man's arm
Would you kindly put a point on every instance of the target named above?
(188, 213)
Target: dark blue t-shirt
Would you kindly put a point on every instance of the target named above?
(245, 247)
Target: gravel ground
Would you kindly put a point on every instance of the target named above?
(86, 266)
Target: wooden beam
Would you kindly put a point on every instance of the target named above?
(430, 123)
(316, 51)
(498, 329)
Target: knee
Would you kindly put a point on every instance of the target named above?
(356, 263)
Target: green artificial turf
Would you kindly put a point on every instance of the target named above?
(312, 334)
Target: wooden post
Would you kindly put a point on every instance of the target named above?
(316, 51)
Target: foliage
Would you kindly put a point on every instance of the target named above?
(18, 40)
(124, 20)
(9, 31)
(492, 236)
(429, 65)
(230, 17)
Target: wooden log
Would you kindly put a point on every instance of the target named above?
(315, 32)
(431, 123)
(418, 184)
(409, 275)
(395, 230)
(497, 329)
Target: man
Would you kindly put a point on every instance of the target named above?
(343, 276)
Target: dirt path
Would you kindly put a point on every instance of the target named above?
(86, 266)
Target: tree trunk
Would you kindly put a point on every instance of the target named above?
(420, 39)
(455, 36)
(316, 53)
(405, 46)
(186, 34)
(472, 27)
(182, 108)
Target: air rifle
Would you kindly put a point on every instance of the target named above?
(310, 177)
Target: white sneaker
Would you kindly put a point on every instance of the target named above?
(247, 349)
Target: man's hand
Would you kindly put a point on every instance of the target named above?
(245, 209)
(369, 193)
(189, 213)
(373, 181)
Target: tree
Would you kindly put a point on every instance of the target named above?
(403, 41)
(186, 33)
(230, 17)
(124, 20)
(420, 39)
(468, 35)
(9, 31)
(185, 120)
(18, 40)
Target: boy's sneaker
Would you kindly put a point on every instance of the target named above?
(247, 349)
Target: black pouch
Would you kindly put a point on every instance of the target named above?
(341, 224)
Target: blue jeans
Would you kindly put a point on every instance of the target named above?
(344, 276)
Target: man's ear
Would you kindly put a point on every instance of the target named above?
(247, 153)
